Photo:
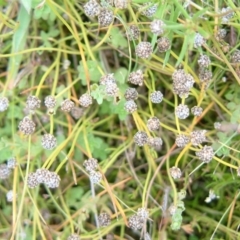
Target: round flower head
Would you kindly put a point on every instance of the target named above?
(121, 4)
(130, 106)
(182, 83)
(204, 61)
(67, 105)
(95, 177)
(32, 180)
(131, 94)
(155, 142)
(205, 75)
(106, 79)
(91, 164)
(92, 8)
(73, 236)
(156, 97)
(144, 50)
(153, 124)
(4, 171)
(199, 40)
(148, 9)
(52, 180)
(135, 222)
(198, 137)
(105, 17)
(133, 32)
(163, 44)
(182, 140)
(143, 213)
(205, 154)
(49, 142)
(50, 102)
(33, 103)
(104, 219)
(157, 27)
(196, 111)
(4, 103)
(140, 138)
(26, 126)
(136, 78)
(182, 111)
(175, 172)
(235, 57)
(11, 196)
(12, 163)
(42, 175)
(111, 89)
(85, 100)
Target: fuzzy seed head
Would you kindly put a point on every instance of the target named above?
(133, 32)
(204, 61)
(12, 163)
(148, 11)
(73, 236)
(95, 177)
(4, 103)
(32, 180)
(85, 100)
(182, 83)
(4, 171)
(182, 111)
(143, 213)
(205, 154)
(111, 89)
(49, 142)
(104, 219)
(144, 50)
(10, 196)
(42, 175)
(67, 105)
(163, 44)
(198, 40)
(131, 94)
(92, 8)
(136, 78)
(32, 103)
(235, 57)
(91, 164)
(77, 112)
(156, 97)
(26, 126)
(155, 142)
(175, 172)
(106, 79)
(105, 17)
(182, 140)
(135, 222)
(197, 137)
(121, 4)
(140, 138)
(205, 75)
(50, 102)
(153, 124)
(172, 209)
(52, 180)
(228, 15)
(157, 27)
(130, 106)
(196, 111)
(221, 34)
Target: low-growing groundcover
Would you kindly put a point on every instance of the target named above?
(119, 119)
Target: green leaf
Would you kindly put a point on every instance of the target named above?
(117, 39)
(93, 70)
(73, 196)
(119, 109)
(98, 93)
(121, 75)
(27, 4)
